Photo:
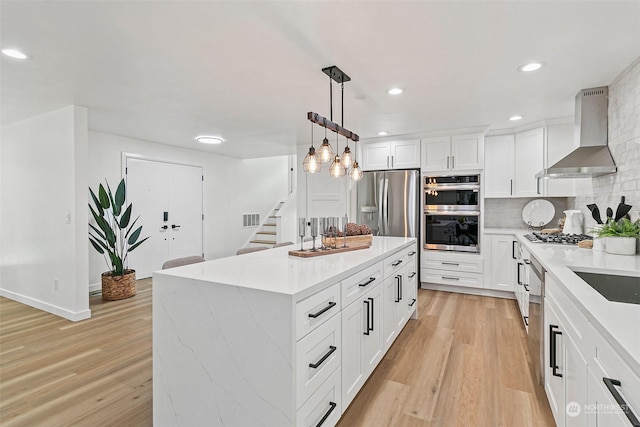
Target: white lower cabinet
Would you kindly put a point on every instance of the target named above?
(452, 269)
(502, 262)
(324, 408)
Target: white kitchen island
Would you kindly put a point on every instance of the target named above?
(268, 339)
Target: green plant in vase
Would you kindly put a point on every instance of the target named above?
(114, 237)
(621, 236)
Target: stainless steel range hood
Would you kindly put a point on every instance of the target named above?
(591, 157)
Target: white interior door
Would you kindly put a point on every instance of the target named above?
(157, 189)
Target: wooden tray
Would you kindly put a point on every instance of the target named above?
(350, 247)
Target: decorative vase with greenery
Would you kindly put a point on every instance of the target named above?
(114, 238)
(621, 236)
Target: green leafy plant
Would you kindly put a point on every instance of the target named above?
(622, 228)
(115, 236)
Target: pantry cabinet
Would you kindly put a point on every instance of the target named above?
(390, 155)
(452, 153)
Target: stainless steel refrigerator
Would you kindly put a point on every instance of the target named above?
(389, 202)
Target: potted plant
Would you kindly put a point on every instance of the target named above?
(114, 238)
(621, 236)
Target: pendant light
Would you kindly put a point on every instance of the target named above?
(311, 162)
(325, 152)
(347, 157)
(355, 173)
(337, 169)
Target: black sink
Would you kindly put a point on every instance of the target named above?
(614, 287)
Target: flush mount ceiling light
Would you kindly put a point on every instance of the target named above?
(515, 118)
(210, 139)
(325, 153)
(14, 53)
(532, 66)
(395, 91)
(383, 133)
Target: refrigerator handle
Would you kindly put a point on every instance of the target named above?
(381, 208)
(386, 206)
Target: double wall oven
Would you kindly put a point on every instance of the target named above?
(451, 213)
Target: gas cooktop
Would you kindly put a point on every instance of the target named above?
(558, 238)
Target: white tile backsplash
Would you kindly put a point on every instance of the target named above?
(624, 143)
(507, 213)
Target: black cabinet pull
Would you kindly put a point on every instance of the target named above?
(413, 301)
(449, 263)
(513, 249)
(332, 406)
(401, 296)
(611, 383)
(450, 278)
(332, 348)
(412, 275)
(526, 320)
(553, 363)
(397, 263)
(368, 324)
(412, 253)
(526, 288)
(174, 226)
(519, 281)
(371, 280)
(314, 315)
(397, 288)
(164, 227)
(372, 311)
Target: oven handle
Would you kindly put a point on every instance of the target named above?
(441, 187)
(456, 213)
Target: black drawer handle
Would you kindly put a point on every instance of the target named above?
(332, 406)
(372, 313)
(413, 301)
(526, 320)
(553, 363)
(314, 315)
(611, 383)
(518, 280)
(412, 253)
(368, 317)
(412, 275)
(513, 249)
(526, 288)
(449, 263)
(397, 263)
(332, 348)
(450, 278)
(371, 280)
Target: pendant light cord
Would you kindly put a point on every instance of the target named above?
(331, 98)
(342, 105)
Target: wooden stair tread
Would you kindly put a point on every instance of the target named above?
(264, 242)
(270, 233)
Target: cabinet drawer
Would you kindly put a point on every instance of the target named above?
(455, 278)
(318, 354)
(360, 283)
(458, 263)
(324, 407)
(610, 365)
(395, 262)
(313, 311)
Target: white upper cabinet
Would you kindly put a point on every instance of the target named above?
(391, 155)
(498, 161)
(452, 153)
(511, 163)
(529, 160)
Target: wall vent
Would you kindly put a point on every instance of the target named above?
(250, 220)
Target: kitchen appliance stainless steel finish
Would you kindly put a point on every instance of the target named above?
(591, 157)
(452, 213)
(456, 193)
(558, 238)
(536, 320)
(389, 202)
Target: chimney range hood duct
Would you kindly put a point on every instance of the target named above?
(592, 157)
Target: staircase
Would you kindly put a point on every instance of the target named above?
(267, 235)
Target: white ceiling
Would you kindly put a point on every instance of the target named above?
(250, 71)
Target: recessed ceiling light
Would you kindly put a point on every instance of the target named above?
(395, 91)
(13, 53)
(383, 133)
(210, 139)
(514, 118)
(532, 66)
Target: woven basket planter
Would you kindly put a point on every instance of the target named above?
(118, 287)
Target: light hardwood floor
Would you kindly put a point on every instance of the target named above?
(463, 363)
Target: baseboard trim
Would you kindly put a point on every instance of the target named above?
(45, 306)
(470, 291)
(93, 287)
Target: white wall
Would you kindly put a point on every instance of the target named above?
(231, 187)
(624, 143)
(43, 219)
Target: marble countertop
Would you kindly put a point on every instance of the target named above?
(274, 270)
(618, 322)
